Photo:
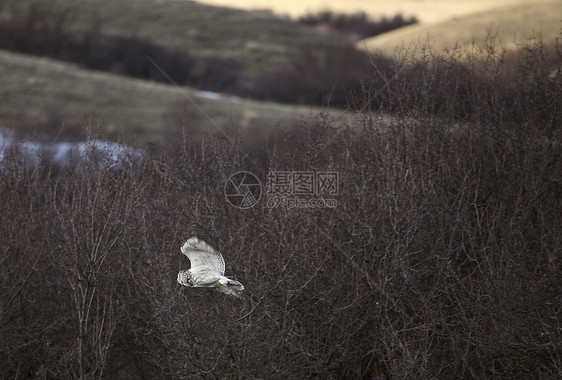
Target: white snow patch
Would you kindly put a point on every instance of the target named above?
(214, 95)
(68, 152)
(207, 94)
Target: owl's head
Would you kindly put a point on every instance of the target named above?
(184, 278)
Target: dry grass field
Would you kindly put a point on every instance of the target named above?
(40, 95)
(257, 40)
(510, 25)
(443, 24)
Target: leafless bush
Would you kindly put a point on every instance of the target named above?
(441, 259)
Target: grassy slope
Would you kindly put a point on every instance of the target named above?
(38, 92)
(258, 40)
(512, 24)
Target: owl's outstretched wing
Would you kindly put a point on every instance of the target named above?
(203, 256)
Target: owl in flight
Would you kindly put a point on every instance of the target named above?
(207, 269)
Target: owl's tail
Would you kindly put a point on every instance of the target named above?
(232, 284)
(230, 287)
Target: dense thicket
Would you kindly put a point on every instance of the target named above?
(442, 258)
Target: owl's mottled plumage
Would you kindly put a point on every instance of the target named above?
(207, 269)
